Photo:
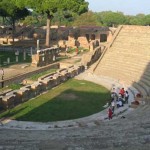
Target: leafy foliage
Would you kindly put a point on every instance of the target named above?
(11, 12)
(50, 7)
(88, 19)
(66, 12)
(110, 19)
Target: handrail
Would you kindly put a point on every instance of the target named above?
(107, 47)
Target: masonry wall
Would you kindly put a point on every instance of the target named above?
(20, 78)
(12, 98)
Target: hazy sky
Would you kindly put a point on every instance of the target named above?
(128, 7)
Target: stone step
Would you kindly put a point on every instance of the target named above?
(140, 89)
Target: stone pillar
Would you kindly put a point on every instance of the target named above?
(38, 45)
(17, 54)
(31, 52)
(24, 55)
(8, 60)
(54, 57)
(16, 58)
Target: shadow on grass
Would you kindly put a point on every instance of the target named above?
(10, 112)
(68, 105)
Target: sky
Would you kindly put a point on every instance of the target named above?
(128, 7)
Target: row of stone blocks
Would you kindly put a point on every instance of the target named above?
(12, 98)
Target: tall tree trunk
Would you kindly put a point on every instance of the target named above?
(48, 31)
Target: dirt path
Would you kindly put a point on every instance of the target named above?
(18, 69)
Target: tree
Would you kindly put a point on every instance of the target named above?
(138, 20)
(50, 7)
(147, 20)
(35, 19)
(109, 18)
(88, 18)
(12, 13)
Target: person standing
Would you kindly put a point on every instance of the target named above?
(126, 97)
(122, 92)
(110, 113)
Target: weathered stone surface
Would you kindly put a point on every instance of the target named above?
(24, 93)
(8, 101)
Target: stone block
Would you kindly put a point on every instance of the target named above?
(57, 79)
(5, 92)
(52, 82)
(31, 92)
(61, 70)
(17, 99)
(24, 93)
(37, 88)
(45, 83)
(8, 101)
(63, 76)
(72, 72)
(81, 68)
(77, 70)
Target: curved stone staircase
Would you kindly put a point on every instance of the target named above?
(128, 58)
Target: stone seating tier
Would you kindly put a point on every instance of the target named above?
(128, 58)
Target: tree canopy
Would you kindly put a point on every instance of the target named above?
(88, 19)
(64, 12)
(50, 7)
(11, 12)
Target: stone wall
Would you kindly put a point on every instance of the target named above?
(95, 52)
(12, 98)
(20, 78)
(83, 36)
(45, 56)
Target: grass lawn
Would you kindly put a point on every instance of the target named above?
(4, 55)
(70, 100)
(36, 76)
(80, 50)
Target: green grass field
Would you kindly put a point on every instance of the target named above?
(36, 76)
(70, 100)
(4, 55)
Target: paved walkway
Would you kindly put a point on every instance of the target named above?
(82, 122)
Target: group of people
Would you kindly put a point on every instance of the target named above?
(118, 99)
